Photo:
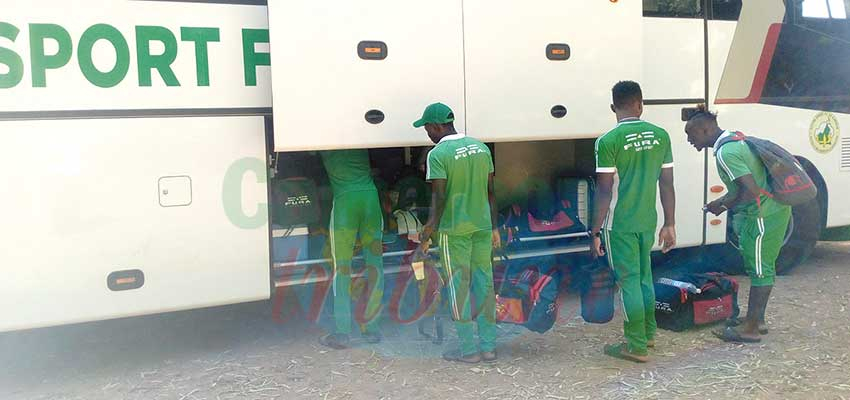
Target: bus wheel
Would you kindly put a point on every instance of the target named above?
(802, 235)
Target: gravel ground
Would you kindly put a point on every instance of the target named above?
(240, 352)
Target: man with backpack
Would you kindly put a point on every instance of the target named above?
(639, 157)
(356, 213)
(463, 209)
(759, 220)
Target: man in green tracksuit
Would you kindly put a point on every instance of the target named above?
(639, 157)
(356, 213)
(759, 221)
(460, 170)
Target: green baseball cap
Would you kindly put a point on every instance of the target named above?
(437, 113)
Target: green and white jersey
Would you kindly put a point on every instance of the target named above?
(348, 170)
(736, 159)
(466, 165)
(635, 151)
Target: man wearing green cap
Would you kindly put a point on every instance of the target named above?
(463, 209)
(356, 211)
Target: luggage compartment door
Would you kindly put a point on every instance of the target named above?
(113, 218)
(356, 74)
(544, 69)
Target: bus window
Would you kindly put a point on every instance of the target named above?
(824, 9)
(672, 8)
(725, 10)
(809, 63)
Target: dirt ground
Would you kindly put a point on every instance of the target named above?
(240, 352)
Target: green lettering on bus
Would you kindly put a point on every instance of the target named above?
(232, 193)
(252, 59)
(201, 37)
(10, 58)
(122, 55)
(162, 62)
(41, 62)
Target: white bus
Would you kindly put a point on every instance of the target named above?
(137, 136)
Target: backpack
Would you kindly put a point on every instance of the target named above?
(788, 182)
(678, 309)
(295, 201)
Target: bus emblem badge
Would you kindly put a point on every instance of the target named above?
(824, 132)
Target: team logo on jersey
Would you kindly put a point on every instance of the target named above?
(467, 151)
(641, 141)
(823, 132)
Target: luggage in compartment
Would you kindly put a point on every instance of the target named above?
(295, 202)
(290, 244)
(577, 191)
(550, 213)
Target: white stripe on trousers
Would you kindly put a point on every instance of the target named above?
(333, 246)
(447, 259)
(759, 242)
(607, 235)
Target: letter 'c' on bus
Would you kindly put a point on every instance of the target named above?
(232, 193)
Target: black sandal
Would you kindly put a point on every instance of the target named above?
(737, 322)
(731, 335)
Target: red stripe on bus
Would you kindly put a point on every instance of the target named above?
(763, 68)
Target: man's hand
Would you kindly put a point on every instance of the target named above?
(667, 238)
(596, 248)
(716, 207)
(421, 252)
(497, 239)
(425, 235)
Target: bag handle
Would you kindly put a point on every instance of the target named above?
(711, 277)
(542, 281)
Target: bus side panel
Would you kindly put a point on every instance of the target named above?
(86, 198)
(688, 175)
(673, 60)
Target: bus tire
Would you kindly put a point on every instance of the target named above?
(807, 222)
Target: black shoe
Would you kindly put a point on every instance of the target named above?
(457, 356)
(489, 356)
(336, 341)
(373, 337)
